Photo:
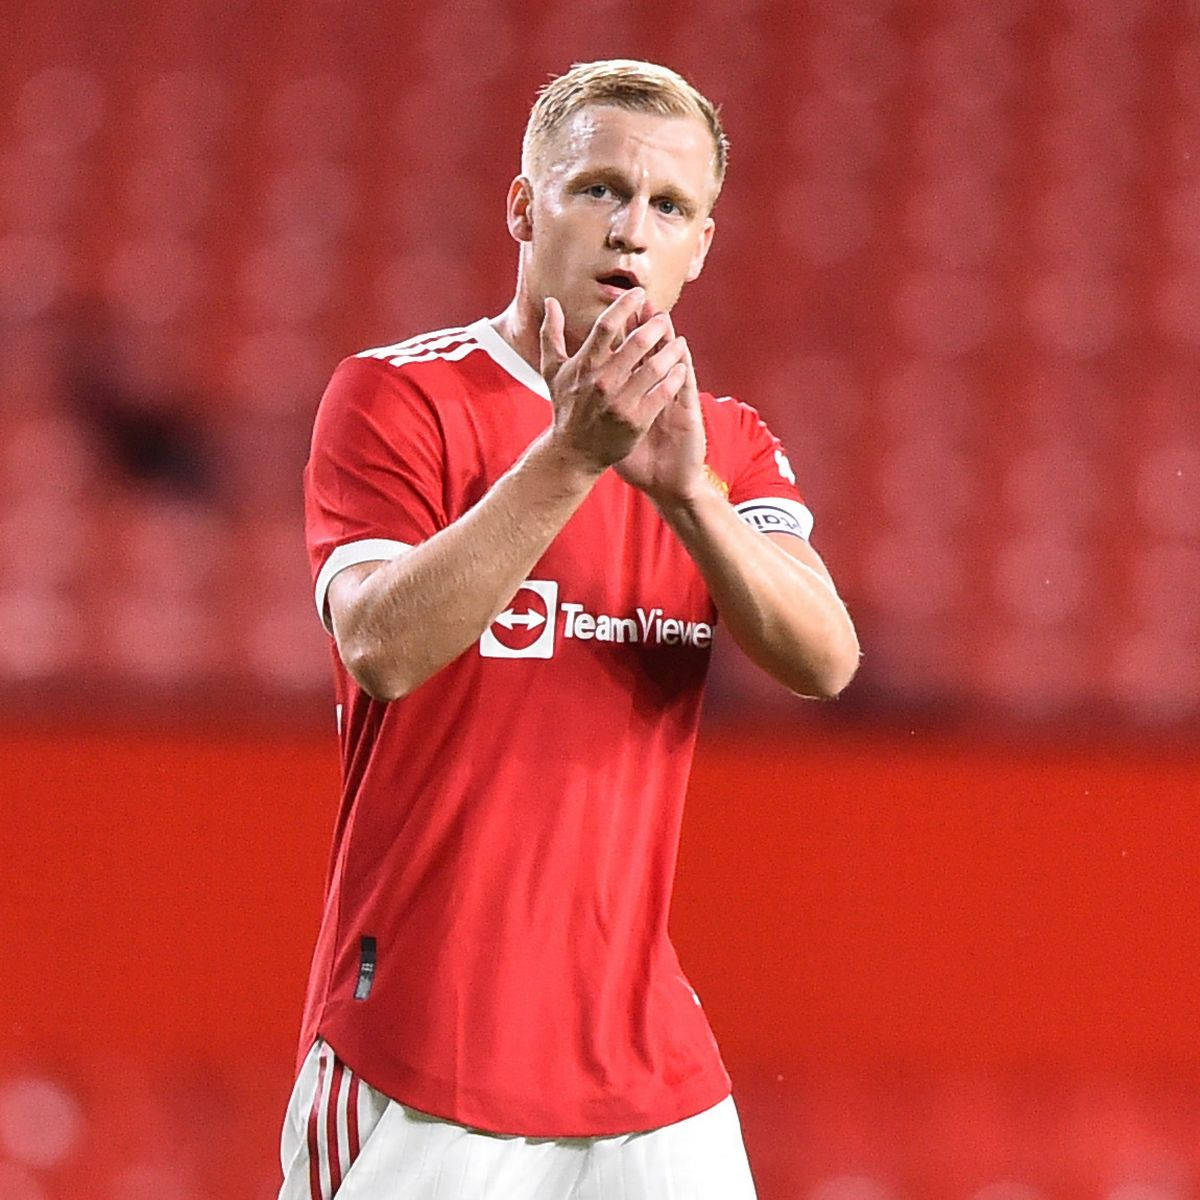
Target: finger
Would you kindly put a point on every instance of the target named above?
(611, 327)
(553, 339)
(643, 341)
(639, 316)
(670, 334)
(660, 320)
(657, 367)
(663, 392)
(689, 394)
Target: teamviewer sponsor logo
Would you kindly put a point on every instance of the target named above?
(525, 629)
(528, 627)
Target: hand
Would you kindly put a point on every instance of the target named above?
(668, 463)
(608, 394)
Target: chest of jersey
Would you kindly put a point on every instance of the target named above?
(615, 580)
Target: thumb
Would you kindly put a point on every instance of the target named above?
(554, 346)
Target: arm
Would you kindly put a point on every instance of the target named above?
(398, 622)
(772, 590)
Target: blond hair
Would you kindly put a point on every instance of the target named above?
(622, 83)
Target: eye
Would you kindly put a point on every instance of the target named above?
(668, 207)
(596, 190)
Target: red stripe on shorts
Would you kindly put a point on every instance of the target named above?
(352, 1119)
(314, 1141)
(331, 1130)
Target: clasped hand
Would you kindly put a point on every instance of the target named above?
(628, 397)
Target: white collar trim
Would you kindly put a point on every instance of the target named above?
(505, 356)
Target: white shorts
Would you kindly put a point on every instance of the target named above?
(343, 1138)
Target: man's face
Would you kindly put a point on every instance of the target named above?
(619, 199)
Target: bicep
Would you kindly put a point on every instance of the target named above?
(374, 478)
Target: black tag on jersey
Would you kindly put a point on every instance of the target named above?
(366, 967)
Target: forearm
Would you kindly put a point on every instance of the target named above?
(415, 613)
(784, 613)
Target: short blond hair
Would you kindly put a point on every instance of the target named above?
(622, 83)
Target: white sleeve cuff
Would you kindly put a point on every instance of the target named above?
(776, 514)
(350, 555)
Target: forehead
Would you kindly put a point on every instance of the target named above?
(676, 150)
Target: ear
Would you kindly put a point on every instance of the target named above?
(520, 209)
(706, 237)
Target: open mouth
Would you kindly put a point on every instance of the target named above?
(619, 279)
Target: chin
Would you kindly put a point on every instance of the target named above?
(579, 321)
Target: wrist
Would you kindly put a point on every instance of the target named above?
(573, 470)
(688, 497)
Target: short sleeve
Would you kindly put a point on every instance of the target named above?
(373, 485)
(763, 490)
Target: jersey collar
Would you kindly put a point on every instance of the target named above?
(505, 356)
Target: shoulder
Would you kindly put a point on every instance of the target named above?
(415, 358)
(753, 465)
(440, 345)
(734, 419)
(416, 369)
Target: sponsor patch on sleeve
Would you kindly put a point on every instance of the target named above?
(776, 514)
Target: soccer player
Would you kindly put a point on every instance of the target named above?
(522, 531)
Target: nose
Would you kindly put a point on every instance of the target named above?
(627, 232)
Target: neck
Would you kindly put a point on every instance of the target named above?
(520, 324)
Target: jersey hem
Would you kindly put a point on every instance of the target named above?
(422, 1094)
(350, 554)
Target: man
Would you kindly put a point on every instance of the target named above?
(522, 531)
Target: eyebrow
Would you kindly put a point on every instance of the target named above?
(620, 182)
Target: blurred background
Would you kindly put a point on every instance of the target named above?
(946, 929)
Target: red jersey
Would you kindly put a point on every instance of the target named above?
(494, 946)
